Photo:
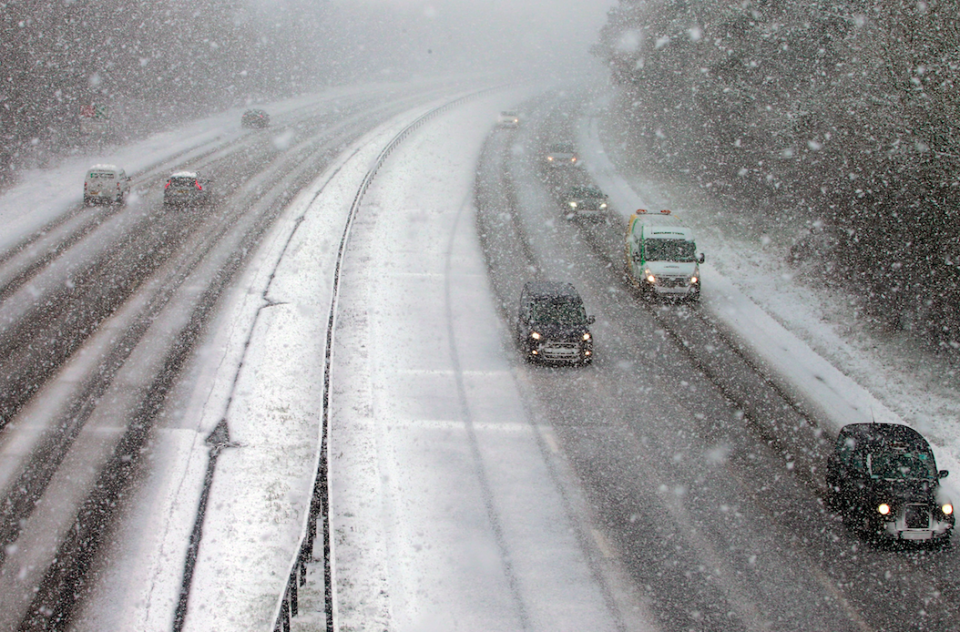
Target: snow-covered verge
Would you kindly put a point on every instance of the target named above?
(804, 332)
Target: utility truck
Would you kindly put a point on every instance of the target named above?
(661, 256)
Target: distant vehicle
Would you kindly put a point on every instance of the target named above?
(509, 119)
(187, 188)
(884, 480)
(552, 324)
(584, 202)
(661, 256)
(105, 184)
(255, 119)
(561, 155)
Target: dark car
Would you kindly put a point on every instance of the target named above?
(561, 156)
(256, 119)
(584, 202)
(552, 324)
(187, 188)
(884, 480)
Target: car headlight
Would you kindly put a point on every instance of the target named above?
(884, 509)
(947, 509)
(549, 158)
(603, 205)
(650, 277)
(694, 280)
(535, 335)
(573, 205)
(586, 335)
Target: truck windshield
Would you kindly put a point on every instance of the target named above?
(669, 250)
(558, 312)
(901, 464)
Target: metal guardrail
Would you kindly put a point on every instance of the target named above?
(319, 514)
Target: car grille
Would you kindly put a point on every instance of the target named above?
(560, 351)
(673, 281)
(916, 516)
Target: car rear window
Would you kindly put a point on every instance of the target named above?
(101, 175)
(183, 182)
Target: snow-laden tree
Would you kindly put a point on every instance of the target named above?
(146, 63)
(834, 113)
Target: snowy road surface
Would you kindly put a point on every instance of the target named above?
(449, 508)
(658, 489)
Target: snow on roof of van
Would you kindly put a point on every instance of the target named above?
(104, 167)
(669, 232)
(665, 225)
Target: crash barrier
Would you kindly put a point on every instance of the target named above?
(318, 518)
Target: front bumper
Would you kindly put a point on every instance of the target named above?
(560, 351)
(587, 214)
(917, 522)
(673, 287)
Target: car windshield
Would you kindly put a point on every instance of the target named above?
(901, 465)
(561, 148)
(558, 312)
(670, 250)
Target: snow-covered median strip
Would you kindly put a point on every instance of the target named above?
(262, 486)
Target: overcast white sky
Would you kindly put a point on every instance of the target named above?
(490, 34)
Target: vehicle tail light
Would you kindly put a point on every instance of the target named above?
(199, 187)
(167, 185)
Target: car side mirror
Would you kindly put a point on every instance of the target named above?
(943, 474)
(702, 258)
(591, 320)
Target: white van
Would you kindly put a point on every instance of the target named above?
(661, 256)
(105, 183)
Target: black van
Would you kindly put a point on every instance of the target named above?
(884, 480)
(552, 324)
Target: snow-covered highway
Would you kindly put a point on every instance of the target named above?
(672, 485)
